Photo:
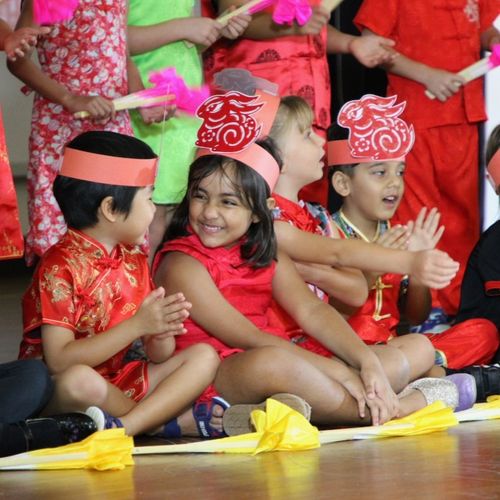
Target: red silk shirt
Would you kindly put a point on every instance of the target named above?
(78, 286)
(443, 34)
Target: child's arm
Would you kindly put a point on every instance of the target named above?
(489, 38)
(198, 30)
(262, 27)
(325, 324)
(368, 50)
(347, 285)
(157, 315)
(443, 84)
(28, 72)
(17, 43)
(432, 267)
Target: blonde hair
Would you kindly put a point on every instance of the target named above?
(292, 109)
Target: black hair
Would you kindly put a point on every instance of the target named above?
(493, 144)
(259, 248)
(79, 200)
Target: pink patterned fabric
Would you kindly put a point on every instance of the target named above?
(88, 56)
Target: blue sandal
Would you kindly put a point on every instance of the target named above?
(102, 419)
(202, 413)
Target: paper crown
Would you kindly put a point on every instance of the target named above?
(493, 171)
(232, 122)
(106, 169)
(376, 133)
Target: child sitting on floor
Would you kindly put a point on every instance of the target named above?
(91, 296)
(221, 251)
(369, 177)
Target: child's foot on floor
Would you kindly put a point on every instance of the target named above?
(203, 420)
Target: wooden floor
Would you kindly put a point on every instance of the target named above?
(463, 462)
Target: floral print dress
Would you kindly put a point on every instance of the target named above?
(88, 55)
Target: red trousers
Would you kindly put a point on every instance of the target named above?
(442, 171)
(473, 342)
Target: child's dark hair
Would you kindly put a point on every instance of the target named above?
(493, 144)
(80, 200)
(259, 248)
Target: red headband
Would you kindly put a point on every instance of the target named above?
(493, 172)
(232, 122)
(106, 169)
(376, 133)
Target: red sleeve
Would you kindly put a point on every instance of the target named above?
(379, 16)
(55, 289)
(490, 9)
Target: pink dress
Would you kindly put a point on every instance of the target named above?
(88, 55)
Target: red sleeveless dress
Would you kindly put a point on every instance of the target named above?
(247, 289)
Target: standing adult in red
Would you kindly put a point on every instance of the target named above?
(435, 40)
(294, 57)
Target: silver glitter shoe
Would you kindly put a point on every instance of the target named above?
(434, 389)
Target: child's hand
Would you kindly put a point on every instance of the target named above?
(396, 237)
(19, 42)
(433, 268)
(162, 316)
(97, 107)
(425, 232)
(202, 30)
(372, 50)
(442, 84)
(380, 398)
(236, 25)
(157, 114)
(319, 18)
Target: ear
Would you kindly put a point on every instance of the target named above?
(106, 209)
(341, 183)
(271, 203)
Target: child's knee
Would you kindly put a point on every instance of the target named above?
(82, 384)
(204, 355)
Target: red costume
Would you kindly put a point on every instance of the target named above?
(472, 342)
(79, 287)
(247, 289)
(11, 236)
(442, 168)
(298, 64)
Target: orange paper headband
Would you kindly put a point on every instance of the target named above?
(256, 158)
(340, 153)
(106, 169)
(494, 170)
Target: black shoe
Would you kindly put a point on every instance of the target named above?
(487, 379)
(57, 430)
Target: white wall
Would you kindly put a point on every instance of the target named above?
(491, 204)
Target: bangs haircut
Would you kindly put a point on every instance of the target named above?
(259, 247)
(80, 200)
